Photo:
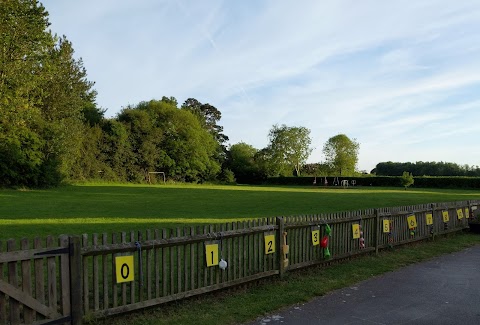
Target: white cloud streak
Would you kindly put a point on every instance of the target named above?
(401, 78)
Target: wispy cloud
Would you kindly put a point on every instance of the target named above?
(401, 78)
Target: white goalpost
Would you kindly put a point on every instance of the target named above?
(155, 173)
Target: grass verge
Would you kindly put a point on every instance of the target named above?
(243, 305)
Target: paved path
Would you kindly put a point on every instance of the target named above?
(445, 290)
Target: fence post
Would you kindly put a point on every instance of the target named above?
(76, 280)
(377, 231)
(281, 229)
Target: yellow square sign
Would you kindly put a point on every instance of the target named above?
(356, 230)
(315, 237)
(211, 254)
(124, 268)
(412, 222)
(429, 219)
(445, 216)
(386, 226)
(459, 214)
(269, 244)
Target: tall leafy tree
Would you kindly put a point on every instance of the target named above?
(23, 40)
(341, 154)
(42, 92)
(209, 116)
(288, 150)
(64, 94)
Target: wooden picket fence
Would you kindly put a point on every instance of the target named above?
(76, 278)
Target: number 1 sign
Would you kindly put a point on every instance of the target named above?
(211, 254)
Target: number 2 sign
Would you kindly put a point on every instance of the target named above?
(269, 244)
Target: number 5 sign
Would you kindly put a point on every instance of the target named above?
(386, 226)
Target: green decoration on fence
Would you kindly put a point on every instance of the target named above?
(327, 253)
(324, 242)
(328, 230)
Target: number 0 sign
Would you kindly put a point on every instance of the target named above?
(269, 244)
(124, 268)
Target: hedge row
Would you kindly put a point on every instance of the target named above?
(389, 181)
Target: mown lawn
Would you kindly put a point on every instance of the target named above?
(98, 208)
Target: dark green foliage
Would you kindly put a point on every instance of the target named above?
(384, 181)
(158, 136)
(209, 116)
(42, 93)
(242, 160)
(426, 169)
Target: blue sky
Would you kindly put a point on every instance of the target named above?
(400, 77)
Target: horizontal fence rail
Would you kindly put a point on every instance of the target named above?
(48, 280)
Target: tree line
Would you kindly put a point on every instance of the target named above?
(421, 168)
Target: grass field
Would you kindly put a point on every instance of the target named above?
(98, 208)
